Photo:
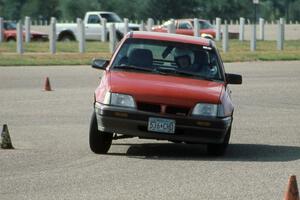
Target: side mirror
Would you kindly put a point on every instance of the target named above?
(100, 64)
(233, 79)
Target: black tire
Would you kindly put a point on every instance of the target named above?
(219, 149)
(207, 37)
(107, 37)
(100, 141)
(11, 39)
(66, 38)
(119, 36)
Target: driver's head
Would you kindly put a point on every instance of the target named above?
(183, 57)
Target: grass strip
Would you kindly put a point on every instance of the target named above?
(37, 53)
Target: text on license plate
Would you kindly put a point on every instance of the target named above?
(161, 125)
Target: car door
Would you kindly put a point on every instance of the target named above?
(184, 27)
(93, 28)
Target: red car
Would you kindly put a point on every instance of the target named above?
(186, 27)
(10, 33)
(166, 87)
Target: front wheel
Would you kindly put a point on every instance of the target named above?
(119, 36)
(100, 141)
(66, 38)
(11, 39)
(219, 149)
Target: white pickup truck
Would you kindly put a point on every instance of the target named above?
(93, 27)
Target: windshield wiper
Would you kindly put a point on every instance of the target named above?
(173, 71)
(131, 67)
(165, 71)
(186, 73)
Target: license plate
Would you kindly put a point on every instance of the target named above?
(161, 125)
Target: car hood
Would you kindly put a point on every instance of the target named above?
(133, 25)
(165, 89)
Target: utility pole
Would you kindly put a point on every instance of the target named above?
(253, 37)
(255, 2)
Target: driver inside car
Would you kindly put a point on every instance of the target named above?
(194, 61)
(184, 58)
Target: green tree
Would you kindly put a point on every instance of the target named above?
(226, 9)
(274, 9)
(12, 9)
(166, 9)
(295, 10)
(40, 10)
(73, 9)
(157, 9)
(132, 9)
(1, 8)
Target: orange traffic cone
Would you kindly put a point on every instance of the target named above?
(292, 192)
(47, 85)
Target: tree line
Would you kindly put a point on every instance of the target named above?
(156, 9)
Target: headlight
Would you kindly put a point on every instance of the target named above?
(117, 99)
(205, 109)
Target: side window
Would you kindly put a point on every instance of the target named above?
(184, 25)
(9, 26)
(216, 61)
(93, 19)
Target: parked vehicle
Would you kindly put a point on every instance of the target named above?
(93, 27)
(10, 33)
(166, 87)
(186, 27)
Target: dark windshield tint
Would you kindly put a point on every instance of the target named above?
(93, 19)
(111, 17)
(9, 26)
(173, 58)
(184, 25)
(204, 25)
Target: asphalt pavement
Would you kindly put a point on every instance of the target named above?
(52, 159)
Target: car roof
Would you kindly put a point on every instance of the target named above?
(101, 12)
(9, 21)
(190, 19)
(170, 37)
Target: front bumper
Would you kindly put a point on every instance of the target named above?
(134, 123)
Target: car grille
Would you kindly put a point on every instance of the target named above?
(163, 109)
(149, 107)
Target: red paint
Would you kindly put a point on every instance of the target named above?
(190, 32)
(170, 37)
(103, 88)
(12, 35)
(161, 89)
(164, 89)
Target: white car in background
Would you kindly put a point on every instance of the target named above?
(93, 26)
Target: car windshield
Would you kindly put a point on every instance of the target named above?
(10, 26)
(111, 17)
(204, 25)
(165, 24)
(168, 58)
